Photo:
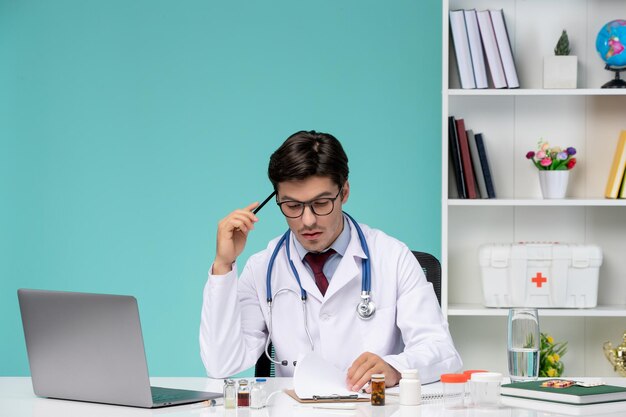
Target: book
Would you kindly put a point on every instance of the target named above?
(466, 159)
(476, 49)
(547, 407)
(622, 188)
(462, 49)
(496, 71)
(504, 47)
(455, 156)
(484, 163)
(478, 170)
(616, 173)
(570, 395)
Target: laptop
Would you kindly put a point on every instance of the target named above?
(89, 347)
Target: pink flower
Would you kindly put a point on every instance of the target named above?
(541, 154)
(546, 162)
(530, 155)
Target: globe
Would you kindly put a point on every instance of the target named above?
(611, 42)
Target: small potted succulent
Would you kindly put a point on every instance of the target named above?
(561, 70)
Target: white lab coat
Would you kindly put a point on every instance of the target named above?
(408, 329)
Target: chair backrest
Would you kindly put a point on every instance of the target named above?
(264, 367)
(432, 270)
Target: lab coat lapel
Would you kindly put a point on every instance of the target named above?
(350, 266)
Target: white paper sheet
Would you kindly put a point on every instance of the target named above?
(315, 376)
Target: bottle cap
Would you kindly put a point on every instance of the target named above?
(470, 372)
(410, 374)
(378, 376)
(454, 378)
(487, 377)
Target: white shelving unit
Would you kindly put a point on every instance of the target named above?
(512, 121)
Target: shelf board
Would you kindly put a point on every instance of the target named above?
(583, 202)
(538, 92)
(480, 310)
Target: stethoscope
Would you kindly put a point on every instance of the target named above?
(365, 309)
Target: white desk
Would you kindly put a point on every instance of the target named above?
(17, 400)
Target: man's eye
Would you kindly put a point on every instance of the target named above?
(293, 206)
(321, 203)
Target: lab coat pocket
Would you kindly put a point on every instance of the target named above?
(378, 333)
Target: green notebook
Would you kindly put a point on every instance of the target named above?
(570, 395)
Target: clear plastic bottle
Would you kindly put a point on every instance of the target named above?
(258, 396)
(230, 394)
(454, 390)
(243, 394)
(410, 387)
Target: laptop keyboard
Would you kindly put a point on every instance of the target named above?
(166, 395)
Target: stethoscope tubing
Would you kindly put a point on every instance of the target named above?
(366, 284)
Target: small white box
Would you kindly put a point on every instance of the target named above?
(549, 275)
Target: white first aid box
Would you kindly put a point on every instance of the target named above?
(550, 275)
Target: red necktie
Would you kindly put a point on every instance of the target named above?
(316, 261)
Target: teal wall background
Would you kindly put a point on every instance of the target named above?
(129, 128)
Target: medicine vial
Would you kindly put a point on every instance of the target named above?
(454, 390)
(230, 394)
(410, 387)
(258, 395)
(377, 384)
(485, 389)
(243, 394)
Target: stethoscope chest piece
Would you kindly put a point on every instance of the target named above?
(366, 307)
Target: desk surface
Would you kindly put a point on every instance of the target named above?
(17, 400)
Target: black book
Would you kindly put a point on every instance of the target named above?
(484, 163)
(455, 155)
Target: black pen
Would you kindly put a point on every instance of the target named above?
(256, 210)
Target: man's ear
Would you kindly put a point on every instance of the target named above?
(345, 192)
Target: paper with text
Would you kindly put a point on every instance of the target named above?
(316, 376)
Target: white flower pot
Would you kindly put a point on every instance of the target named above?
(553, 183)
(560, 71)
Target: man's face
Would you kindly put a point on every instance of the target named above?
(314, 232)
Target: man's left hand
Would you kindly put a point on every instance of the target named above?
(367, 364)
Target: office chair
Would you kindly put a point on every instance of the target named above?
(432, 269)
(264, 368)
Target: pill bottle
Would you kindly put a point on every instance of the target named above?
(485, 389)
(410, 387)
(257, 394)
(453, 390)
(230, 394)
(243, 394)
(377, 384)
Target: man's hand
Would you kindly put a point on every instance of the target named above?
(367, 364)
(232, 233)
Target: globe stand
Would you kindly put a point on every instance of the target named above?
(616, 82)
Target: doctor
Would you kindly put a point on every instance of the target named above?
(323, 259)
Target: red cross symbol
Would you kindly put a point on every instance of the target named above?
(539, 279)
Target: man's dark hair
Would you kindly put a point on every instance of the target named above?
(305, 154)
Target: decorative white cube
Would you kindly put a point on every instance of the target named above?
(548, 275)
(560, 71)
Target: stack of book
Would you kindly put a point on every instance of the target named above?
(469, 161)
(480, 34)
(616, 184)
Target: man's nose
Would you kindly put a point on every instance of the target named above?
(308, 217)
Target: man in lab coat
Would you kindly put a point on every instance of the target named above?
(309, 173)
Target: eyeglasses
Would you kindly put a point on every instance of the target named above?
(319, 206)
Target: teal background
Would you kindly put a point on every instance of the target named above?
(129, 128)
